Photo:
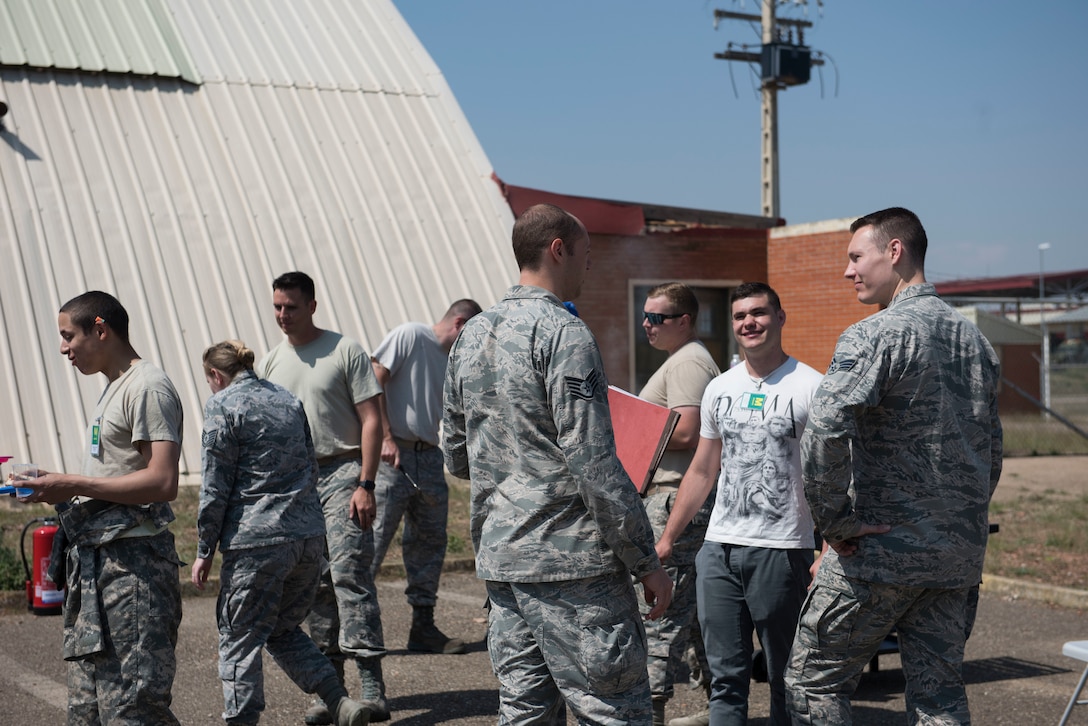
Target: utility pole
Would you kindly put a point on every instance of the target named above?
(782, 63)
(1044, 382)
(769, 200)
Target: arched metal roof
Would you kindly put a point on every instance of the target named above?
(252, 138)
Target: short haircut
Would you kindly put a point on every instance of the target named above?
(229, 356)
(680, 296)
(465, 308)
(84, 310)
(896, 223)
(755, 289)
(296, 281)
(535, 229)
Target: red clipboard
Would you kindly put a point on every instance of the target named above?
(642, 431)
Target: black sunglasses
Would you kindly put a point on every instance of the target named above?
(659, 318)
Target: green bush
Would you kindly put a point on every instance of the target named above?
(12, 574)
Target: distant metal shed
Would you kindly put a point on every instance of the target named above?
(182, 153)
(1000, 330)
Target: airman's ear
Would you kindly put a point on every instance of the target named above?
(895, 250)
(556, 248)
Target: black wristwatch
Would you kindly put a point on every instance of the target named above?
(367, 484)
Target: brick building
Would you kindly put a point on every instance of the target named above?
(637, 246)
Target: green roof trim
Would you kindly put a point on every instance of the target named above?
(101, 36)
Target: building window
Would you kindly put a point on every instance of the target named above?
(713, 327)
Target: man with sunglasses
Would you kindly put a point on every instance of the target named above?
(669, 321)
(754, 567)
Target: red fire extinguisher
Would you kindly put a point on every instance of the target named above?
(43, 596)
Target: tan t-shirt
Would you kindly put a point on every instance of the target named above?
(141, 405)
(329, 375)
(680, 381)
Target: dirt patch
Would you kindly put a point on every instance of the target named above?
(1041, 508)
(1058, 475)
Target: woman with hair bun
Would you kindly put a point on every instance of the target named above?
(259, 505)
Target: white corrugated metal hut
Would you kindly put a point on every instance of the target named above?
(182, 153)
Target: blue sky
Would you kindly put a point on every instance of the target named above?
(973, 114)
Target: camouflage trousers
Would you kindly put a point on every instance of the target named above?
(577, 641)
(345, 619)
(139, 599)
(667, 637)
(265, 592)
(843, 623)
(418, 494)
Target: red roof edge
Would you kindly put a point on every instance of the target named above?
(599, 216)
(1009, 285)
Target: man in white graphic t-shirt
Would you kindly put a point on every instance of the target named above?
(756, 562)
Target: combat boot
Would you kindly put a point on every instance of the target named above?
(318, 714)
(425, 637)
(696, 719)
(351, 713)
(659, 711)
(372, 695)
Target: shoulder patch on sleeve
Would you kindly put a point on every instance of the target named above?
(841, 364)
(207, 439)
(583, 388)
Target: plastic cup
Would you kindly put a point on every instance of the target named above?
(20, 472)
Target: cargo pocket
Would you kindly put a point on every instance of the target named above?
(828, 618)
(613, 651)
(231, 701)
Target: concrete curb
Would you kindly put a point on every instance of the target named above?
(1065, 597)
(14, 601)
(388, 571)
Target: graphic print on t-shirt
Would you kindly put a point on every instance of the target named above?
(759, 433)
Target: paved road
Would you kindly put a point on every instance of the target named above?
(1015, 670)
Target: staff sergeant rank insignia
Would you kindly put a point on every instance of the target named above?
(582, 387)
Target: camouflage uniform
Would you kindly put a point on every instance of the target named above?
(423, 502)
(122, 603)
(259, 504)
(903, 431)
(345, 619)
(556, 522)
(680, 381)
(330, 376)
(668, 636)
(418, 493)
